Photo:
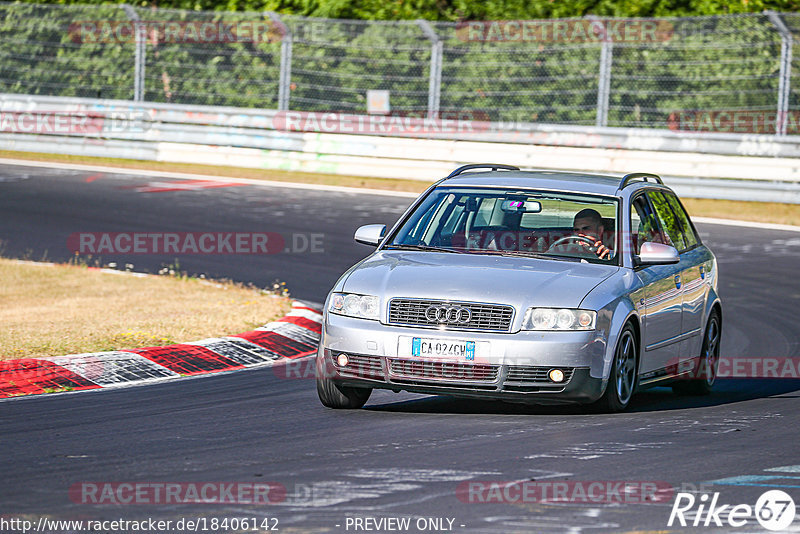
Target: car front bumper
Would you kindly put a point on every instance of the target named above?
(512, 366)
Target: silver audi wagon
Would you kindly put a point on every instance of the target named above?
(526, 286)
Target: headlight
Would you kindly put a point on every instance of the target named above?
(352, 305)
(559, 319)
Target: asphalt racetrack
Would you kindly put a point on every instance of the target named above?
(403, 455)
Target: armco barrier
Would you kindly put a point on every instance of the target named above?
(724, 166)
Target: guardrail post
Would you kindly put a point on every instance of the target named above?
(784, 76)
(604, 76)
(139, 51)
(285, 77)
(435, 77)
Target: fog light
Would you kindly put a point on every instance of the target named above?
(343, 360)
(556, 375)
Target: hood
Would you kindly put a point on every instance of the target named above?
(521, 282)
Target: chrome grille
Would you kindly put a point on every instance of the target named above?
(492, 317)
(361, 365)
(530, 373)
(443, 370)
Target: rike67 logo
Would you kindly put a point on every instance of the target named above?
(774, 510)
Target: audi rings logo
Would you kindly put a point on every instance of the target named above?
(448, 314)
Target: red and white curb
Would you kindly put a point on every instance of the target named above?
(290, 337)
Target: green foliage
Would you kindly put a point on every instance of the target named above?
(242, 74)
(709, 63)
(38, 54)
(453, 10)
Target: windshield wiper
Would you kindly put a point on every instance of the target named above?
(528, 254)
(427, 248)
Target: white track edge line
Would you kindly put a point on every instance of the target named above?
(317, 187)
(190, 176)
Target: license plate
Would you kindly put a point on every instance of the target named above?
(442, 348)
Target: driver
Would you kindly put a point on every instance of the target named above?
(589, 223)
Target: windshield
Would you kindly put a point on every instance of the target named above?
(513, 222)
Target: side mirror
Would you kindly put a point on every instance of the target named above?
(657, 254)
(370, 234)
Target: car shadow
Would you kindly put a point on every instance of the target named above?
(659, 399)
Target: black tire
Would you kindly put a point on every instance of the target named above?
(335, 396)
(623, 376)
(704, 373)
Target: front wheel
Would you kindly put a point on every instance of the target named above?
(622, 378)
(332, 395)
(705, 372)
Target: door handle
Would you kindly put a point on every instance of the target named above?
(678, 281)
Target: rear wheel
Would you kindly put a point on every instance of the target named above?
(333, 395)
(622, 378)
(704, 373)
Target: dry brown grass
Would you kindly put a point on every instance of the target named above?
(50, 311)
(724, 209)
(768, 212)
(414, 186)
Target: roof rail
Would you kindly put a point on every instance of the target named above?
(493, 166)
(630, 177)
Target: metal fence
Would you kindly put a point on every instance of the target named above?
(732, 73)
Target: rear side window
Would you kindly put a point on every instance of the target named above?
(669, 221)
(689, 236)
(644, 227)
